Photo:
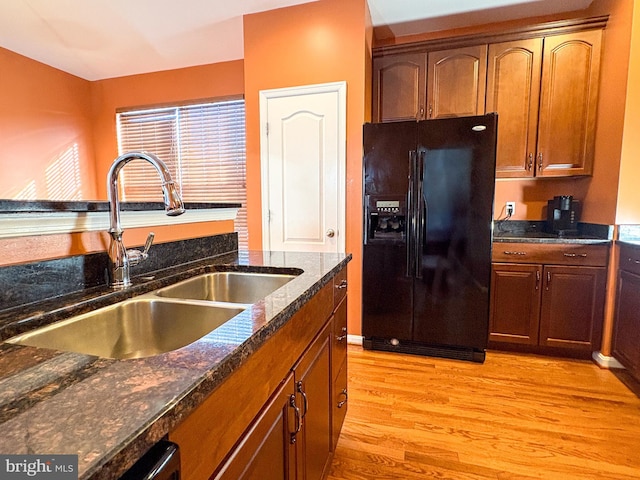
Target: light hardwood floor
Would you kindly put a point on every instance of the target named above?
(514, 417)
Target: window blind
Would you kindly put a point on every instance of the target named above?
(203, 146)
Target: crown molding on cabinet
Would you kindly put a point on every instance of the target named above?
(509, 34)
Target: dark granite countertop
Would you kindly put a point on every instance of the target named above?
(42, 206)
(630, 235)
(110, 412)
(547, 238)
(522, 231)
(632, 243)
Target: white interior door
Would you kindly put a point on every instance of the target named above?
(303, 157)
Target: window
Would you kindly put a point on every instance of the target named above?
(203, 146)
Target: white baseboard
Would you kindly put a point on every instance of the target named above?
(605, 361)
(354, 339)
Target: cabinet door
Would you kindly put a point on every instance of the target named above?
(456, 81)
(399, 87)
(515, 303)
(568, 101)
(339, 338)
(340, 398)
(513, 91)
(266, 452)
(339, 371)
(313, 385)
(572, 308)
(626, 340)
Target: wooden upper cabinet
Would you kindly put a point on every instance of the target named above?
(568, 100)
(513, 91)
(456, 81)
(544, 89)
(399, 87)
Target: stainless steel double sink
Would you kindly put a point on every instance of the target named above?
(158, 322)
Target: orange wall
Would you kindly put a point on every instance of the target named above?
(71, 109)
(318, 42)
(44, 113)
(628, 211)
(601, 199)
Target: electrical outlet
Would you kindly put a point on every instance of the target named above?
(510, 208)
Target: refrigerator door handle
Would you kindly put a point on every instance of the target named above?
(420, 213)
(411, 227)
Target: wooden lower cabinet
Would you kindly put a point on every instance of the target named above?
(273, 418)
(626, 336)
(340, 398)
(313, 386)
(572, 307)
(558, 307)
(515, 303)
(267, 451)
(339, 392)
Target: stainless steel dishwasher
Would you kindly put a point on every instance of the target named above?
(161, 462)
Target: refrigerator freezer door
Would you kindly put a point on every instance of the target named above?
(387, 286)
(451, 288)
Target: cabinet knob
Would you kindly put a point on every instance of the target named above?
(331, 233)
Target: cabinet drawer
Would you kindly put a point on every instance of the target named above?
(339, 287)
(556, 254)
(630, 259)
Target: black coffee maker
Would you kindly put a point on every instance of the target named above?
(562, 215)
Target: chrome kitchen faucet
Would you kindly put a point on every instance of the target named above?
(120, 259)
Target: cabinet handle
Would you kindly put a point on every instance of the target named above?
(508, 252)
(548, 280)
(430, 110)
(292, 404)
(537, 279)
(530, 163)
(421, 113)
(341, 338)
(572, 255)
(342, 285)
(300, 389)
(637, 262)
(341, 403)
(540, 164)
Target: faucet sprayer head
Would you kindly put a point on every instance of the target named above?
(173, 205)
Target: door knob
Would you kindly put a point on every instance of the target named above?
(331, 233)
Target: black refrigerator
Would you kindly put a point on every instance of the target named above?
(428, 208)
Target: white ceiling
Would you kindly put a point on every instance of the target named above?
(97, 39)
